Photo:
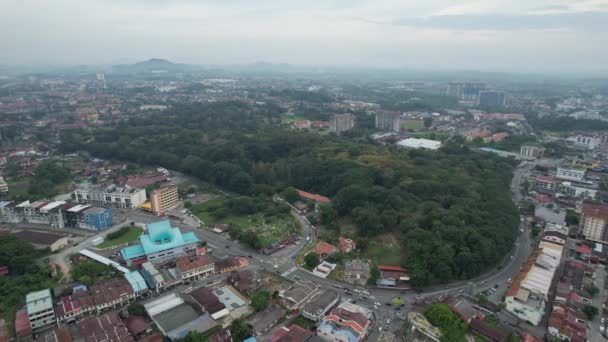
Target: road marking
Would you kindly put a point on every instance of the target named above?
(289, 271)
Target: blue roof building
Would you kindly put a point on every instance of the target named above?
(161, 243)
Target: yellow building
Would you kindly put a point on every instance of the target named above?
(164, 198)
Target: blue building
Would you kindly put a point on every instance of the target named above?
(160, 244)
(492, 98)
(98, 218)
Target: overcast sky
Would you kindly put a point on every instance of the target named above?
(500, 35)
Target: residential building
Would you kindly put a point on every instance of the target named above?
(419, 143)
(545, 183)
(589, 143)
(577, 190)
(527, 294)
(387, 120)
(23, 329)
(244, 281)
(110, 195)
(164, 198)
(347, 322)
(571, 174)
(160, 244)
(228, 264)
(294, 333)
(594, 219)
(392, 275)
(104, 327)
(195, 267)
(154, 279)
(532, 151)
(493, 334)
(298, 294)
(209, 302)
(492, 98)
(40, 311)
(3, 186)
(357, 271)
(346, 245)
(323, 249)
(324, 269)
(108, 295)
(342, 122)
(316, 308)
(465, 91)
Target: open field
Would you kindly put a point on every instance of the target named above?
(269, 229)
(130, 235)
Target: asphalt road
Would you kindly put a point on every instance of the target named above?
(283, 262)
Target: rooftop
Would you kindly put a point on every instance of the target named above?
(160, 236)
(39, 301)
(596, 210)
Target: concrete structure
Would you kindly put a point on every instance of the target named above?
(298, 294)
(546, 183)
(419, 143)
(23, 329)
(175, 318)
(387, 120)
(465, 91)
(527, 295)
(85, 216)
(160, 244)
(294, 333)
(345, 323)
(420, 323)
(104, 327)
(594, 219)
(110, 196)
(577, 190)
(194, 268)
(570, 173)
(3, 186)
(41, 240)
(532, 151)
(210, 302)
(589, 143)
(492, 98)
(342, 122)
(39, 306)
(164, 198)
(154, 279)
(356, 271)
(324, 269)
(316, 308)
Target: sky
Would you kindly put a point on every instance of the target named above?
(487, 35)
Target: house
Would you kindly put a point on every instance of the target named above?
(493, 334)
(136, 325)
(347, 322)
(316, 308)
(224, 335)
(209, 301)
(392, 275)
(294, 333)
(464, 309)
(298, 294)
(23, 329)
(195, 267)
(244, 281)
(357, 271)
(318, 199)
(346, 245)
(264, 320)
(228, 264)
(323, 250)
(3, 271)
(105, 327)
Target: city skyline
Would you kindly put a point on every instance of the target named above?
(538, 36)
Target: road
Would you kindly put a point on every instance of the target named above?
(283, 262)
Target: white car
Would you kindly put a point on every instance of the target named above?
(601, 329)
(602, 320)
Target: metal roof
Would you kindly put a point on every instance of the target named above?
(104, 260)
(39, 301)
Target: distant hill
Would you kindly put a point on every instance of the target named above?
(154, 65)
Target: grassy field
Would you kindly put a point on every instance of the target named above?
(413, 124)
(18, 187)
(268, 229)
(385, 251)
(131, 234)
(304, 323)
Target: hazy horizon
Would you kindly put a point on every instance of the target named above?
(539, 36)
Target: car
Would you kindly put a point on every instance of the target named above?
(602, 329)
(509, 281)
(495, 286)
(397, 309)
(603, 320)
(250, 257)
(226, 246)
(380, 329)
(388, 304)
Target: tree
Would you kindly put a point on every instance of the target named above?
(290, 195)
(592, 290)
(571, 217)
(428, 122)
(240, 330)
(259, 300)
(374, 274)
(136, 309)
(452, 326)
(312, 260)
(591, 311)
(328, 214)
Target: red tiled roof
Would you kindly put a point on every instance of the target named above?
(22, 324)
(294, 333)
(583, 249)
(392, 269)
(3, 270)
(185, 264)
(136, 325)
(346, 245)
(546, 179)
(323, 248)
(596, 210)
(314, 197)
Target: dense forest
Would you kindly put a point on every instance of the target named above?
(451, 208)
